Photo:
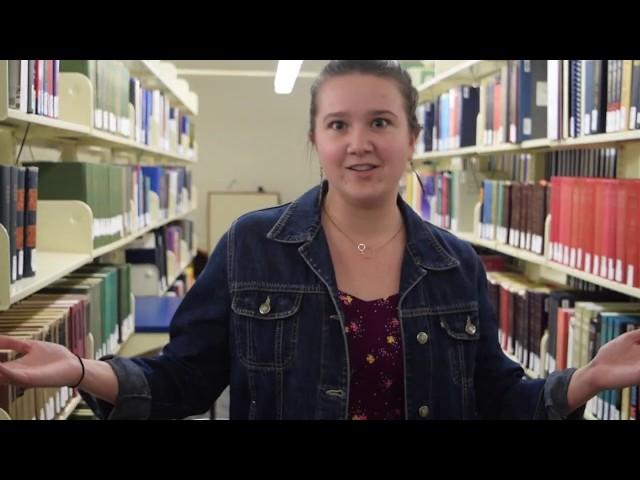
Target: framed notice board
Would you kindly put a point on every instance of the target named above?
(223, 208)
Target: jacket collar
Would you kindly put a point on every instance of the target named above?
(300, 223)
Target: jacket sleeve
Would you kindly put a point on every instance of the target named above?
(502, 389)
(193, 368)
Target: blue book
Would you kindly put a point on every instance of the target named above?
(429, 182)
(138, 256)
(487, 217)
(428, 126)
(525, 127)
(468, 114)
(154, 314)
(588, 96)
(446, 119)
(577, 93)
(155, 175)
(617, 326)
(603, 396)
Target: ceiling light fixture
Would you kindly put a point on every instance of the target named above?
(286, 75)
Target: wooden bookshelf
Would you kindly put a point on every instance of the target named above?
(65, 244)
(531, 257)
(65, 229)
(543, 144)
(75, 127)
(469, 71)
(129, 238)
(45, 127)
(627, 141)
(110, 140)
(181, 269)
(52, 266)
(162, 75)
(68, 410)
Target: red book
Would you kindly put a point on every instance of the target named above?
(621, 232)
(565, 208)
(576, 213)
(598, 243)
(632, 253)
(607, 269)
(588, 223)
(556, 186)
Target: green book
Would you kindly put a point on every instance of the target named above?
(74, 181)
(110, 299)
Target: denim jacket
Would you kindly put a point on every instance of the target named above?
(264, 317)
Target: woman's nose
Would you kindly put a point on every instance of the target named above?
(359, 142)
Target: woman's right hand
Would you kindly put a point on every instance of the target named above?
(42, 364)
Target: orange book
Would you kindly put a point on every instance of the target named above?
(454, 95)
(562, 338)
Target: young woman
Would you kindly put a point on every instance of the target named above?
(343, 304)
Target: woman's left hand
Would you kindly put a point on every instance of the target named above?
(616, 365)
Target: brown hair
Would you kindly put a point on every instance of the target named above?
(380, 68)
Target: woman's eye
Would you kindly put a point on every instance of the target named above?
(337, 125)
(380, 122)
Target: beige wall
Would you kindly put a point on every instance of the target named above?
(249, 137)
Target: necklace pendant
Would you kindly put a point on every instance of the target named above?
(362, 247)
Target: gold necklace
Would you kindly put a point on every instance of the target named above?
(361, 246)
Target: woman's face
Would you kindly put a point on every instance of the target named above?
(363, 137)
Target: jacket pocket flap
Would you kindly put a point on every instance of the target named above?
(461, 326)
(266, 305)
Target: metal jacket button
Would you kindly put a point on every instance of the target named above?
(266, 306)
(470, 328)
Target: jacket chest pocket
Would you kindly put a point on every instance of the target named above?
(266, 327)
(461, 334)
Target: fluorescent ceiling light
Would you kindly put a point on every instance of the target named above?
(286, 75)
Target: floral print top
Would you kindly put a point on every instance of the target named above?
(375, 355)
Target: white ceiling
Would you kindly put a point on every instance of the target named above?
(311, 66)
(265, 66)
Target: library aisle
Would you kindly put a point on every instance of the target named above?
(118, 179)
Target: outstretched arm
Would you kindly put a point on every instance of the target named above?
(43, 364)
(616, 365)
